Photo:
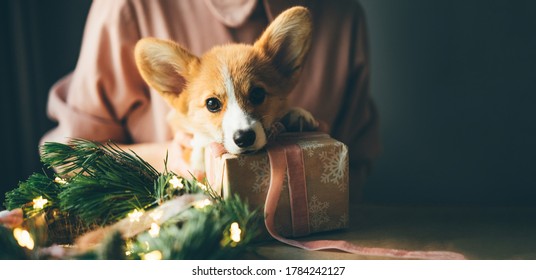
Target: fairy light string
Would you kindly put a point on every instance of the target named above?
(39, 202)
(127, 188)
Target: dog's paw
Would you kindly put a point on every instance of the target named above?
(197, 163)
(298, 120)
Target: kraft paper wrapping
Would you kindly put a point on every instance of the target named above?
(326, 175)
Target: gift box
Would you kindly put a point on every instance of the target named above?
(314, 191)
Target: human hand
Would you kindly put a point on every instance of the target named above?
(179, 156)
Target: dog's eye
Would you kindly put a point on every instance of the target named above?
(213, 105)
(257, 95)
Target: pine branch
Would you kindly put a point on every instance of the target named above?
(106, 182)
(203, 233)
(84, 156)
(249, 220)
(35, 186)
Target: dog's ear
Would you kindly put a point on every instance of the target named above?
(287, 39)
(164, 65)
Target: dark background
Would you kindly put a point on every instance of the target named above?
(455, 84)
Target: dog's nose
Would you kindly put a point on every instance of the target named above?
(244, 138)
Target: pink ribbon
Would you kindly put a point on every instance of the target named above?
(297, 190)
(287, 157)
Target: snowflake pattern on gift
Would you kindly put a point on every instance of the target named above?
(241, 161)
(261, 170)
(309, 147)
(318, 214)
(334, 166)
(343, 221)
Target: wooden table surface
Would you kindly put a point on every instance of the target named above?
(498, 233)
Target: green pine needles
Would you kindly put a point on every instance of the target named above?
(37, 185)
(203, 233)
(100, 184)
(107, 182)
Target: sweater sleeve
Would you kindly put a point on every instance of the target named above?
(357, 123)
(95, 101)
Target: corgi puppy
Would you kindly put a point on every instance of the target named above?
(234, 93)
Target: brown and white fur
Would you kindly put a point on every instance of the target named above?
(234, 93)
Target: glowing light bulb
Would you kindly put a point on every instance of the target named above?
(155, 230)
(129, 247)
(24, 238)
(202, 203)
(202, 186)
(135, 215)
(39, 202)
(176, 183)
(235, 232)
(156, 215)
(59, 180)
(154, 255)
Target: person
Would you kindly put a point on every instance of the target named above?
(105, 98)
